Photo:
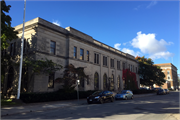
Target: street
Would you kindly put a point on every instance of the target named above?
(156, 107)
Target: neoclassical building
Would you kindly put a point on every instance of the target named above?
(66, 46)
(171, 76)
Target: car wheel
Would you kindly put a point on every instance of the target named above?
(101, 101)
(132, 97)
(126, 98)
(112, 99)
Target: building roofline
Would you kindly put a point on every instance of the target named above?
(73, 31)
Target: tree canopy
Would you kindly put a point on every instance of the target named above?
(7, 32)
(149, 73)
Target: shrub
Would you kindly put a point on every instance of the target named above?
(142, 91)
(53, 96)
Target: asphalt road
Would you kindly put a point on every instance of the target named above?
(157, 107)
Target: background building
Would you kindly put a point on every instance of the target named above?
(43, 39)
(171, 76)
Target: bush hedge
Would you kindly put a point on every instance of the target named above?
(142, 91)
(53, 96)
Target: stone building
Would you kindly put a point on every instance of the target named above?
(171, 76)
(65, 46)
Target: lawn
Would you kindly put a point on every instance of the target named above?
(7, 102)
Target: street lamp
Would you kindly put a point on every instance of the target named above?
(78, 82)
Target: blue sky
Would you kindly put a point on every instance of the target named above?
(143, 28)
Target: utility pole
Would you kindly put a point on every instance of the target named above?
(21, 57)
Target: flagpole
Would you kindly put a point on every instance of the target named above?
(21, 57)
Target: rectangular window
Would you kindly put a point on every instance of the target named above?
(52, 47)
(112, 63)
(136, 70)
(131, 68)
(51, 81)
(81, 54)
(75, 52)
(14, 49)
(104, 61)
(124, 66)
(11, 49)
(167, 72)
(96, 58)
(118, 65)
(87, 55)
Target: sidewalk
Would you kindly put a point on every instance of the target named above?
(31, 107)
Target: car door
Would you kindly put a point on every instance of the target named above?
(128, 94)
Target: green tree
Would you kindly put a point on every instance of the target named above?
(149, 73)
(38, 67)
(69, 77)
(7, 35)
(7, 32)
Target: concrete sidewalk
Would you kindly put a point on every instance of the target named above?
(32, 107)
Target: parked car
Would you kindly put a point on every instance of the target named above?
(143, 88)
(156, 89)
(167, 91)
(161, 92)
(100, 97)
(125, 94)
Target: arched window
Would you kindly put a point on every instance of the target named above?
(105, 82)
(96, 81)
(118, 81)
(112, 83)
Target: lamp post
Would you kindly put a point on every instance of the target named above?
(78, 81)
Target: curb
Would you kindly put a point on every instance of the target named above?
(68, 105)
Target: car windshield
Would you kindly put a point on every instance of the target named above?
(97, 93)
(123, 92)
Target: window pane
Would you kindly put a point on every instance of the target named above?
(51, 81)
(75, 52)
(52, 47)
(81, 54)
(87, 55)
(94, 57)
(97, 58)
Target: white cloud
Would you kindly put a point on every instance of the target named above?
(124, 44)
(164, 55)
(152, 4)
(117, 46)
(148, 44)
(56, 22)
(126, 50)
(137, 7)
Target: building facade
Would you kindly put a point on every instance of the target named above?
(102, 63)
(171, 76)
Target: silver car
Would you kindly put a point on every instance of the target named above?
(125, 94)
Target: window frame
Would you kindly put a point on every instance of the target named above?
(54, 53)
(104, 60)
(75, 52)
(81, 54)
(87, 55)
(50, 75)
(112, 63)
